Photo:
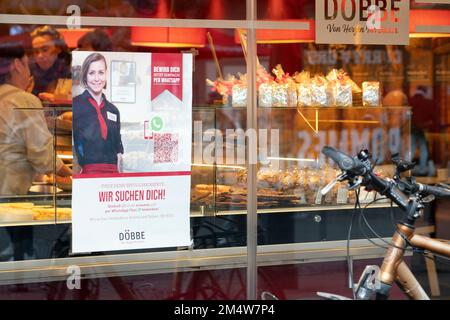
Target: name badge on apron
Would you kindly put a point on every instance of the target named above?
(111, 116)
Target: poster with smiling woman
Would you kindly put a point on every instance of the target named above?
(132, 129)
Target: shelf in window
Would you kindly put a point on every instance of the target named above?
(33, 223)
(312, 208)
(222, 107)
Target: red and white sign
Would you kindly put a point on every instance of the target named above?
(146, 204)
(167, 74)
(362, 22)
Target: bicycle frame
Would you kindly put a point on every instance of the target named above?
(395, 269)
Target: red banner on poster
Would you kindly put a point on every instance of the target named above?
(167, 74)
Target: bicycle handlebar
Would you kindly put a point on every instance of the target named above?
(435, 191)
(344, 161)
(360, 166)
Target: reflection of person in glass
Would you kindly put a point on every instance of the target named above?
(96, 122)
(50, 62)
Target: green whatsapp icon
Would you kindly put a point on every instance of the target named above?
(157, 123)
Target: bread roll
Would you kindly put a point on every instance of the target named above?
(64, 183)
(67, 116)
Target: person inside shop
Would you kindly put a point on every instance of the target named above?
(96, 122)
(422, 122)
(50, 64)
(26, 145)
(397, 98)
(97, 40)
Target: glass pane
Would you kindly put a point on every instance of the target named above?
(27, 141)
(42, 230)
(293, 215)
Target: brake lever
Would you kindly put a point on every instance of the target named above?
(330, 185)
(355, 184)
(443, 185)
(428, 198)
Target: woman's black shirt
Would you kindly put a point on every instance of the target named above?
(89, 145)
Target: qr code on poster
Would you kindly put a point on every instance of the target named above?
(165, 147)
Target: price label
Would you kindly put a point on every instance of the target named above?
(365, 196)
(301, 196)
(318, 197)
(342, 196)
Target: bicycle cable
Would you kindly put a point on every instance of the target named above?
(366, 236)
(349, 263)
(412, 248)
(390, 245)
(370, 227)
(391, 212)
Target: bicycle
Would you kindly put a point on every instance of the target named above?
(410, 196)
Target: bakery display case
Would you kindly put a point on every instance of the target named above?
(297, 115)
(48, 198)
(291, 170)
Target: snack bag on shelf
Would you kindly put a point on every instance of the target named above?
(280, 87)
(265, 94)
(239, 91)
(330, 174)
(239, 94)
(343, 95)
(371, 94)
(280, 95)
(320, 96)
(310, 183)
(268, 178)
(356, 94)
(342, 194)
(301, 177)
(222, 87)
(292, 93)
(303, 83)
(341, 74)
(264, 82)
(288, 180)
(340, 88)
(242, 176)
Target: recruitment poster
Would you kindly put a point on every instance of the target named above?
(132, 130)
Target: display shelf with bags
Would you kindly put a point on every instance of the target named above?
(291, 170)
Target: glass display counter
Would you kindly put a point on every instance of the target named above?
(291, 173)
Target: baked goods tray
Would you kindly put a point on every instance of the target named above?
(34, 210)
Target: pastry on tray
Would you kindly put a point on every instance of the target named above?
(64, 183)
(48, 213)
